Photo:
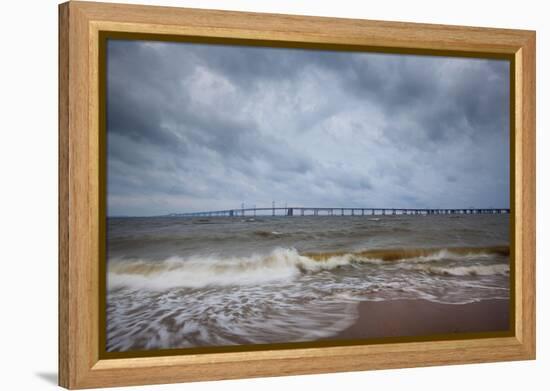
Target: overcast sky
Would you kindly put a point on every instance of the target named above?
(202, 127)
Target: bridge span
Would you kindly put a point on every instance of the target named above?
(339, 211)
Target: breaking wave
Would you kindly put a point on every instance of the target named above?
(286, 264)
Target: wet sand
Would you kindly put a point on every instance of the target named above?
(415, 318)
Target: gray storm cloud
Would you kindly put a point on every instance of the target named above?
(198, 127)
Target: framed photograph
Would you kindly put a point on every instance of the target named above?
(247, 195)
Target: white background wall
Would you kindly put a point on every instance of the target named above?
(28, 206)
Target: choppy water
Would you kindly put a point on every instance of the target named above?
(187, 282)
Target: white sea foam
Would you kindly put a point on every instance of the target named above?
(474, 270)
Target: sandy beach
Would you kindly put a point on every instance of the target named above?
(414, 318)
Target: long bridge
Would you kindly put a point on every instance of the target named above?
(309, 211)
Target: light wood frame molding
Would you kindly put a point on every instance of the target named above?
(80, 24)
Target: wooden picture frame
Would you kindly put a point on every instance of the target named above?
(81, 24)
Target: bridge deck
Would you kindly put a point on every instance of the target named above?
(312, 211)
